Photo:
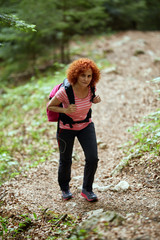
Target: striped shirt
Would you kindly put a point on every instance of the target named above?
(82, 107)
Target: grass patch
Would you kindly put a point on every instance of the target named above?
(146, 135)
(145, 139)
(25, 133)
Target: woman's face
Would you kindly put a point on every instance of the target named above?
(85, 78)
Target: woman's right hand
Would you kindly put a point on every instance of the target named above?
(71, 108)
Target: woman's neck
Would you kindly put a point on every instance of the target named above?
(80, 91)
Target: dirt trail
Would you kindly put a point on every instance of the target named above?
(126, 98)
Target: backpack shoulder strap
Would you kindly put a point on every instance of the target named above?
(69, 91)
(93, 93)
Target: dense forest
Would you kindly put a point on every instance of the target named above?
(38, 39)
(49, 26)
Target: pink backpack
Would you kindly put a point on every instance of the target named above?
(53, 116)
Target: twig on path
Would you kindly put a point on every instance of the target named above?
(60, 220)
(43, 213)
(5, 193)
(45, 210)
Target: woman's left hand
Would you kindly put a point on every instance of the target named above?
(96, 99)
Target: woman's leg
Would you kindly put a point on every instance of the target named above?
(87, 139)
(65, 140)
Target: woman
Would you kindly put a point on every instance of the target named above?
(83, 75)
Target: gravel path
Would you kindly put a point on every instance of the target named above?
(127, 96)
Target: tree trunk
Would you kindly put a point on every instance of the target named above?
(62, 53)
(68, 53)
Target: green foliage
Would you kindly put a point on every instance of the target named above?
(58, 225)
(56, 23)
(146, 135)
(151, 18)
(23, 224)
(8, 165)
(24, 129)
(128, 14)
(3, 226)
(14, 21)
(145, 139)
(81, 234)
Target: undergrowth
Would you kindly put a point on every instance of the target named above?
(146, 135)
(23, 226)
(145, 138)
(25, 138)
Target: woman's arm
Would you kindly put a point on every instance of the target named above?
(54, 106)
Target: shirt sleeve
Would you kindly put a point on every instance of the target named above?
(61, 95)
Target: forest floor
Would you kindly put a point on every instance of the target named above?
(127, 97)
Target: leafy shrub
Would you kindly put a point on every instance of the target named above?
(146, 135)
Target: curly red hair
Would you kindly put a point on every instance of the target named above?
(79, 66)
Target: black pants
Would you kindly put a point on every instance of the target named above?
(87, 139)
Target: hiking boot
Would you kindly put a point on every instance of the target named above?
(90, 196)
(66, 195)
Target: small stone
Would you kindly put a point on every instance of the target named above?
(157, 60)
(71, 204)
(103, 145)
(99, 141)
(54, 160)
(121, 42)
(77, 177)
(95, 185)
(75, 156)
(104, 188)
(121, 186)
(79, 188)
(110, 70)
(94, 212)
(144, 237)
